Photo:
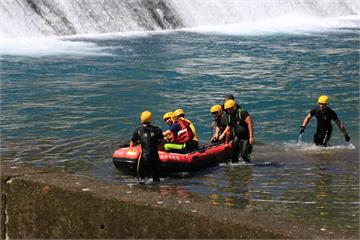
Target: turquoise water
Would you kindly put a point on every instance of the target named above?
(71, 110)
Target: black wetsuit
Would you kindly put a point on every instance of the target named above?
(241, 132)
(221, 123)
(149, 138)
(324, 127)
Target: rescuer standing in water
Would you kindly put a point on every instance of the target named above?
(149, 137)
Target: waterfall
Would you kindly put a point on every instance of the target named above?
(21, 18)
(31, 18)
(217, 12)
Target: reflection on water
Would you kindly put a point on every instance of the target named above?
(311, 187)
(326, 192)
(72, 112)
(179, 191)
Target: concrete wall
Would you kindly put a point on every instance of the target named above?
(46, 204)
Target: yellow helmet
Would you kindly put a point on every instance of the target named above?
(323, 99)
(216, 108)
(229, 104)
(168, 115)
(178, 112)
(146, 116)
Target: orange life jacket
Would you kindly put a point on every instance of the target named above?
(184, 134)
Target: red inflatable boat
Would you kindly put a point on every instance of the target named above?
(126, 158)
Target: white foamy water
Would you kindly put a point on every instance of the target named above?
(21, 18)
(310, 147)
(112, 35)
(294, 24)
(47, 46)
(26, 23)
(195, 13)
(74, 46)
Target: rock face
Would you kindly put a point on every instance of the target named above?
(47, 204)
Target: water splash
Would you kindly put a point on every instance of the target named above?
(306, 147)
(300, 140)
(254, 163)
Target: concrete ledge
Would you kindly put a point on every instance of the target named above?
(46, 204)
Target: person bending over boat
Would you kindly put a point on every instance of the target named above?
(178, 135)
(219, 123)
(324, 115)
(229, 136)
(240, 126)
(149, 137)
(194, 142)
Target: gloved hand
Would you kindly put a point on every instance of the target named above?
(214, 139)
(302, 130)
(250, 148)
(347, 138)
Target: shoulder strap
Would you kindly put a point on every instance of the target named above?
(240, 110)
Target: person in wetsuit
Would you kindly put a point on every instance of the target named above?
(149, 137)
(240, 126)
(323, 115)
(219, 123)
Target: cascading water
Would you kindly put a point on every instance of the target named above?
(67, 17)
(29, 18)
(203, 13)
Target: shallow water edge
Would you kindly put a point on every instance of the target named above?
(117, 211)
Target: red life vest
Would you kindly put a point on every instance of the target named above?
(184, 134)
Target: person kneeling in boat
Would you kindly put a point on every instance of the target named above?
(219, 123)
(239, 125)
(194, 142)
(149, 137)
(323, 115)
(178, 134)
